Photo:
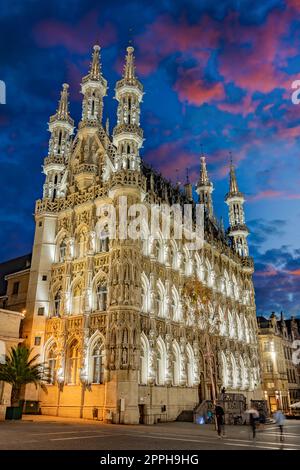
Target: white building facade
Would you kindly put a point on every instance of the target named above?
(110, 315)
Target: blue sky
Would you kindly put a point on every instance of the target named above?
(216, 74)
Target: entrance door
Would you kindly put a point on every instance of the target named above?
(142, 413)
(273, 404)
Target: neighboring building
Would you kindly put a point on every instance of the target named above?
(109, 315)
(280, 376)
(14, 278)
(9, 336)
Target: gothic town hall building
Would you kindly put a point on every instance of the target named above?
(109, 316)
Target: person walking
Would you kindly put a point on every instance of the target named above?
(253, 417)
(279, 420)
(220, 420)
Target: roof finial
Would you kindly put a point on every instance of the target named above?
(95, 70)
(187, 176)
(233, 186)
(63, 105)
(129, 68)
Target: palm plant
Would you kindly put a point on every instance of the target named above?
(19, 370)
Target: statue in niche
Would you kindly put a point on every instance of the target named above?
(124, 356)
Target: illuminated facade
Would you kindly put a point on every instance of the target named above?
(280, 374)
(116, 331)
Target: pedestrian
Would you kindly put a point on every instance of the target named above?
(262, 419)
(220, 420)
(253, 418)
(279, 420)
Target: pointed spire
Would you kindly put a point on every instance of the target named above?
(129, 67)
(205, 186)
(204, 179)
(62, 112)
(63, 107)
(233, 186)
(95, 69)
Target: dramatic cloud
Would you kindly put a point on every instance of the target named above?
(217, 76)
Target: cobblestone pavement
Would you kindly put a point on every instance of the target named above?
(49, 433)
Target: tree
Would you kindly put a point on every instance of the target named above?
(199, 297)
(19, 370)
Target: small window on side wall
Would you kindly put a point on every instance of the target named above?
(41, 311)
(37, 341)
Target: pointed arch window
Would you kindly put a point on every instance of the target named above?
(104, 241)
(159, 300)
(175, 305)
(143, 370)
(81, 244)
(62, 250)
(225, 376)
(57, 303)
(176, 365)
(51, 361)
(160, 364)
(190, 366)
(73, 363)
(98, 363)
(101, 295)
(77, 300)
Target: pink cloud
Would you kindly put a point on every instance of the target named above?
(193, 89)
(165, 36)
(296, 272)
(267, 194)
(272, 194)
(78, 38)
(271, 272)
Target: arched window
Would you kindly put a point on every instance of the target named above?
(234, 372)
(244, 375)
(158, 250)
(104, 240)
(231, 326)
(190, 366)
(199, 268)
(222, 323)
(159, 299)
(175, 305)
(239, 328)
(77, 300)
(174, 258)
(97, 359)
(144, 361)
(176, 364)
(81, 244)
(101, 297)
(161, 363)
(62, 251)
(224, 370)
(51, 360)
(247, 336)
(226, 284)
(73, 363)
(145, 294)
(57, 303)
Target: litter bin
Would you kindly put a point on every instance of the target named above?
(31, 407)
(13, 412)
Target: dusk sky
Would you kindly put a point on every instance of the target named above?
(216, 74)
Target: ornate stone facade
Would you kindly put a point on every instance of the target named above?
(118, 332)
